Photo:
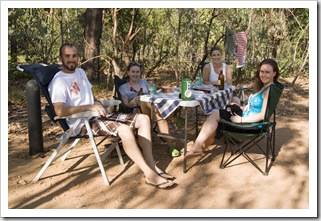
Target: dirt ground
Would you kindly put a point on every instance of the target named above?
(76, 183)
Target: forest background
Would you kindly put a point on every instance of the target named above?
(174, 40)
(166, 41)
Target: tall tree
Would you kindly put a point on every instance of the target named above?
(123, 36)
(92, 36)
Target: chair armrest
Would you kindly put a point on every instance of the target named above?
(84, 114)
(243, 125)
(107, 103)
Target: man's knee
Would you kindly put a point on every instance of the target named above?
(142, 121)
(124, 131)
(143, 118)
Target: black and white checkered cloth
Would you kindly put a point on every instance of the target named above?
(166, 103)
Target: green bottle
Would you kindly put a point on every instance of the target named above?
(199, 78)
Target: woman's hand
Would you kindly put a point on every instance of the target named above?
(137, 100)
(232, 103)
(236, 119)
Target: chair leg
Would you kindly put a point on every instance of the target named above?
(242, 151)
(93, 145)
(229, 160)
(222, 165)
(67, 152)
(54, 156)
(65, 137)
(114, 145)
(270, 146)
(121, 161)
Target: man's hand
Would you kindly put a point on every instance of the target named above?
(62, 110)
(99, 108)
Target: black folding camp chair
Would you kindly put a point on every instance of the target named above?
(43, 75)
(122, 107)
(244, 138)
(117, 96)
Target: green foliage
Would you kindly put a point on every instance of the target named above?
(17, 96)
(166, 38)
(14, 74)
(179, 122)
(16, 85)
(38, 33)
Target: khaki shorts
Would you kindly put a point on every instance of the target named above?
(104, 126)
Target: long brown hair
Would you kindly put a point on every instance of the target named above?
(258, 84)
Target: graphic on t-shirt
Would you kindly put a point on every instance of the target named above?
(74, 88)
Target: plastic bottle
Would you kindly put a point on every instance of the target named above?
(152, 88)
(199, 77)
(221, 80)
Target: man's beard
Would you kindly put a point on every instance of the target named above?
(70, 66)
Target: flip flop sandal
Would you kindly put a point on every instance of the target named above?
(159, 186)
(166, 176)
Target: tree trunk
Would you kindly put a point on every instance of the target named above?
(92, 36)
(14, 50)
(61, 25)
(302, 66)
(115, 60)
(177, 38)
(206, 38)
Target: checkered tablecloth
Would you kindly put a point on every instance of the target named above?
(166, 103)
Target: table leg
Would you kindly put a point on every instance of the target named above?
(185, 141)
(196, 121)
(151, 120)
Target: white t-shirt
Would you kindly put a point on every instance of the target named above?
(214, 75)
(73, 90)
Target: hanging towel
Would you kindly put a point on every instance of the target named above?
(229, 42)
(241, 43)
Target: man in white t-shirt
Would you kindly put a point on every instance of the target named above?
(70, 91)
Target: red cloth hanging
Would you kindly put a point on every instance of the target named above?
(241, 44)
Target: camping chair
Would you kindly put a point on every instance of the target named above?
(236, 134)
(122, 107)
(117, 96)
(43, 76)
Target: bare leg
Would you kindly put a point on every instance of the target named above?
(162, 123)
(206, 135)
(144, 140)
(132, 150)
